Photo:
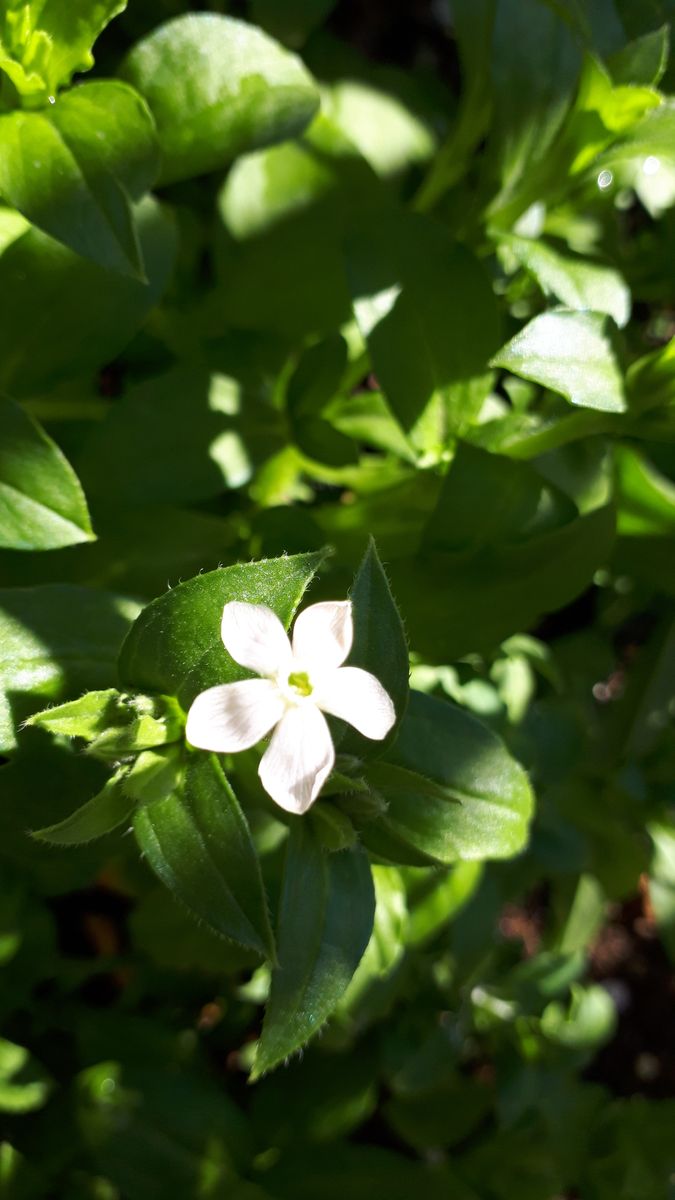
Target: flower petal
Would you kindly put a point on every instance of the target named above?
(359, 698)
(234, 716)
(323, 635)
(299, 758)
(254, 636)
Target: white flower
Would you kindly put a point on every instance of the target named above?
(300, 682)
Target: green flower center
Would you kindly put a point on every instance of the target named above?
(299, 681)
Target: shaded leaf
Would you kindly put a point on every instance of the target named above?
(193, 833)
(106, 811)
(325, 920)
(42, 505)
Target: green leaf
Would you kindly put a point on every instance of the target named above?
(91, 154)
(86, 717)
(196, 839)
(143, 453)
(42, 505)
(68, 315)
(44, 42)
(571, 353)
(389, 135)
(55, 640)
(366, 417)
(284, 212)
(454, 792)
(535, 65)
(379, 645)
(114, 724)
(646, 124)
(106, 811)
(499, 529)
(386, 946)
(642, 61)
(446, 896)
(311, 387)
(646, 498)
(427, 312)
(23, 1084)
(576, 282)
(588, 1022)
(662, 883)
(175, 647)
(325, 920)
(293, 20)
(217, 88)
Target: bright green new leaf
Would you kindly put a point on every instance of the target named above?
(91, 154)
(114, 724)
(454, 790)
(662, 883)
(571, 353)
(576, 282)
(588, 1022)
(389, 136)
(427, 312)
(652, 136)
(44, 42)
(23, 1083)
(100, 815)
(217, 88)
(193, 833)
(42, 505)
(325, 920)
(55, 641)
(175, 647)
(86, 717)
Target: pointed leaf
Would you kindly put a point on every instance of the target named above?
(326, 917)
(89, 155)
(454, 791)
(85, 717)
(42, 505)
(426, 309)
(175, 647)
(572, 354)
(379, 645)
(100, 815)
(68, 315)
(197, 841)
(576, 282)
